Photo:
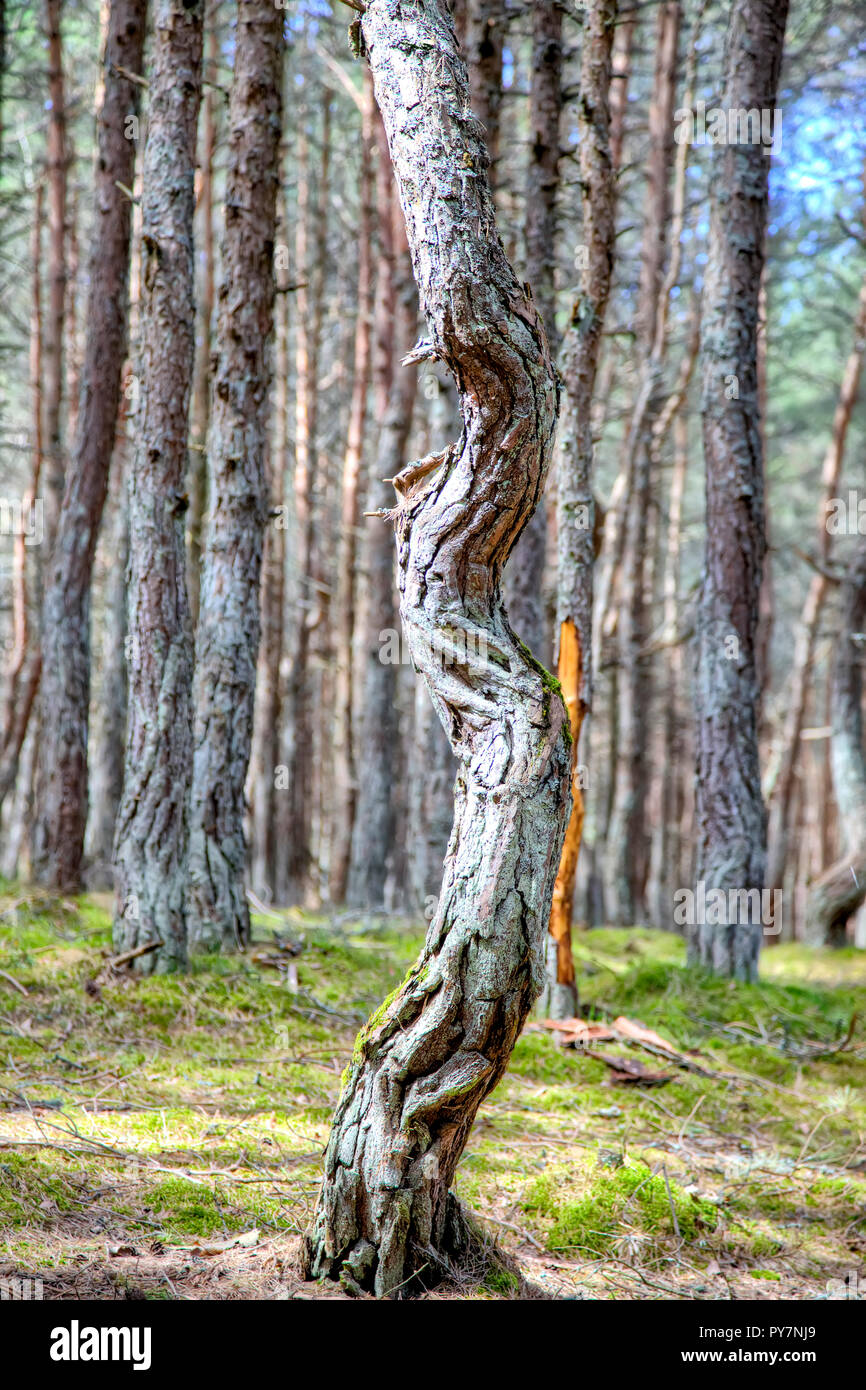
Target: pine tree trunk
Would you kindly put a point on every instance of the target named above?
(428, 1057)
(151, 835)
(524, 578)
(61, 776)
(575, 500)
(227, 637)
(53, 328)
(838, 894)
(345, 784)
(731, 821)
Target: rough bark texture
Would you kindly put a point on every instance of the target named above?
(840, 891)
(227, 637)
(427, 1058)
(151, 837)
(575, 500)
(731, 820)
(524, 579)
(61, 776)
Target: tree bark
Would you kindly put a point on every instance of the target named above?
(61, 773)
(425, 1061)
(798, 684)
(524, 577)
(731, 820)
(575, 500)
(840, 891)
(227, 637)
(52, 350)
(151, 836)
(345, 789)
(484, 32)
(395, 324)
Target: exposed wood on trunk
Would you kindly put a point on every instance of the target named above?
(227, 637)
(151, 836)
(731, 821)
(386, 1219)
(61, 776)
(575, 499)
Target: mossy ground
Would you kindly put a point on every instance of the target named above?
(162, 1137)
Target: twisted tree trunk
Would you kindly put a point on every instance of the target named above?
(61, 773)
(429, 1056)
(227, 637)
(732, 828)
(151, 837)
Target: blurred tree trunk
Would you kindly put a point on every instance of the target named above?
(731, 820)
(627, 841)
(267, 716)
(345, 783)
(395, 323)
(151, 834)
(227, 638)
(482, 39)
(200, 411)
(57, 168)
(799, 680)
(61, 774)
(838, 894)
(524, 577)
(575, 501)
(106, 762)
(309, 267)
(386, 1219)
(24, 667)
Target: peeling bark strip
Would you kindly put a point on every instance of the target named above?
(150, 843)
(61, 777)
(732, 831)
(227, 638)
(433, 1051)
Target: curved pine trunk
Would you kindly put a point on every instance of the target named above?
(151, 835)
(227, 637)
(429, 1056)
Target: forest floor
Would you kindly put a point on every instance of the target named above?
(162, 1137)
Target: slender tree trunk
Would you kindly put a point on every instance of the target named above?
(61, 774)
(628, 843)
(345, 787)
(378, 746)
(424, 1063)
(524, 593)
(200, 411)
(151, 835)
(731, 821)
(52, 350)
(227, 637)
(106, 764)
(484, 32)
(799, 680)
(267, 717)
(24, 666)
(840, 891)
(575, 500)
